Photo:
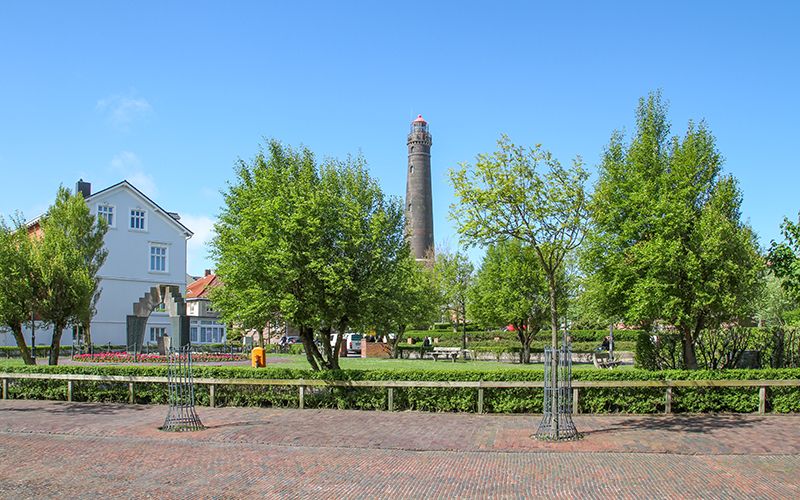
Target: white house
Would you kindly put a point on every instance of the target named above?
(146, 247)
(204, 323)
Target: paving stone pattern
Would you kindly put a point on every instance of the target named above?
(81, 450)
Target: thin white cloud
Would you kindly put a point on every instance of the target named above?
(121, 111)
(197, 258)
(129, 166)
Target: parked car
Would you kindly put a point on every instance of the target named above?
(352, 341)
(292, 339)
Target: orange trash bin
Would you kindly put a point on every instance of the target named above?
(257, 358)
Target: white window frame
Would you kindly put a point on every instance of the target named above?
(113, 213)
(155, 332)
(207, 332)
(142, 214)
(150, 248)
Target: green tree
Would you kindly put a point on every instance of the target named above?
(775, 304)
(453, 274)
(408, 296)
(69, 255)
(668, 242)
(19, 282)
(784, 258)
(525, 194)
(306, 243)
(253, 252)
(511, 289)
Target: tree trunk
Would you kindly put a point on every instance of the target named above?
(524, 336)
(329, 352)
(87, 333)
(551, 285)
(689, 356)
(307, 336)
(394, 343)
(777, 351)
(23, 347)
(526, 350)
(464, 329)
(55, 345)
(334, 361)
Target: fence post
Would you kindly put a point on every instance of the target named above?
(302, 396)
(391, 398)
(668, 401)
(480, 399)
(762, 400)
(130, 392)
(575, 401)
(212, 395)
(69, 390)
(5, 388)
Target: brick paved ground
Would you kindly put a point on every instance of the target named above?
(95, 449)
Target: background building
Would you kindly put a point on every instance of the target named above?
(204, 324)
(146, 247)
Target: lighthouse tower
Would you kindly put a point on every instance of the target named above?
(419, 201)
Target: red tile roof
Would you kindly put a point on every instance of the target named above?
(199, 289)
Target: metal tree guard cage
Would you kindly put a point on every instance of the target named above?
(180, 385)
(557, 424)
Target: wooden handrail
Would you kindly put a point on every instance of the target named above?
(390, 385)
(452, 384)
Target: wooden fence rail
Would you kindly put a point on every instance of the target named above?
(390, 385)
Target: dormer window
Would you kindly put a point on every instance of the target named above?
(106, 212)
(137, 219)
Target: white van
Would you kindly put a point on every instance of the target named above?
(352, 341)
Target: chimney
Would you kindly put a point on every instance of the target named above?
(208, 272)
(85, 188)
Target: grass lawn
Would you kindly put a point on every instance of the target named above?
(299, 361)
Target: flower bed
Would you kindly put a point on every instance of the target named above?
(124, 357)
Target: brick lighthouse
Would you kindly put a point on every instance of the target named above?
(419, 201)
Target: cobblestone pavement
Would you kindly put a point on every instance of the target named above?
(80, 450)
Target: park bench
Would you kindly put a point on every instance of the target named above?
(603, 360)
(445, 352)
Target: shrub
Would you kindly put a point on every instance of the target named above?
(512, 400)
(658, 352)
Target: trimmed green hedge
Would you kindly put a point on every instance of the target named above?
(450, 338)
(515, 347)
(8, 351)
(66, 350)
(592, 400)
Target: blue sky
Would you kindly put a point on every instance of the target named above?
(170, 94)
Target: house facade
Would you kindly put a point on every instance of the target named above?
(146, 247)
(205, 326)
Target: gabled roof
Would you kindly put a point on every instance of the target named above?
(167, 215)
(199, 289)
